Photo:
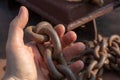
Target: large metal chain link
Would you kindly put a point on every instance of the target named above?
(42, 33)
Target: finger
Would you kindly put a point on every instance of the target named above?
(73, 50)
(15, 37)
(68, 38)
(60, 29)
(77, 66)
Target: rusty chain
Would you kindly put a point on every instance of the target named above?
(100, 54)
(42, 33)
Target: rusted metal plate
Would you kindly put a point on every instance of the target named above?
(71, 14)
(61, 11)
(93, 15)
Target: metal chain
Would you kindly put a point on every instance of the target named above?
(42, 33)
(100, 54)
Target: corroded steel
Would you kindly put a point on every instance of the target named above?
(105, 55)
(101, 53)
(96, 2)
(50, 53)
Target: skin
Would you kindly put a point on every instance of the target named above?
(24, 61)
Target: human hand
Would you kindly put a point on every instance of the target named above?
(24, 61)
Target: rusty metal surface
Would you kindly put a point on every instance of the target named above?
(95, 14)
(65, 11)
(95, 2)
(71, 14)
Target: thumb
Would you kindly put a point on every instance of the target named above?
(15, 36)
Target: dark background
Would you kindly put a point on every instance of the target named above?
(107, 25)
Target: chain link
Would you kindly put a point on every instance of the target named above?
(100, 54)
(44, 32)
(103, 53)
